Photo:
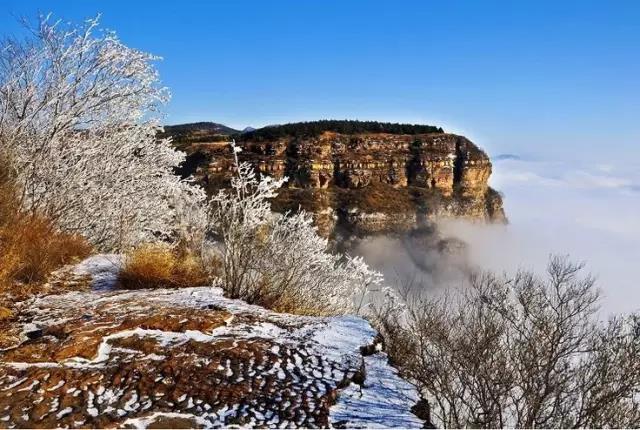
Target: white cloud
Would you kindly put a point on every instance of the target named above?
(565, 208)
(571, 208)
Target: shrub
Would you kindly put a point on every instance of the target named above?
(279, 261)
(161, 266)
(519, 352)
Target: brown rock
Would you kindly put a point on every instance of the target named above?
(142, 357)
(332, 175)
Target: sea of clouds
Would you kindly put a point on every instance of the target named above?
(589, 211)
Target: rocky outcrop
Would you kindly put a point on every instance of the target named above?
(364, 183)
(191, 358)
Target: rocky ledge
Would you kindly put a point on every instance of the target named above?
(192, 358)
(360, 183)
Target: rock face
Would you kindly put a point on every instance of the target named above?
(364, 183)
(191, 358)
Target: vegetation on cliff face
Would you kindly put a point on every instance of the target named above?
(184, 135)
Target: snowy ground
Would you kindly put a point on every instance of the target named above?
(191, 358)
(102, 268)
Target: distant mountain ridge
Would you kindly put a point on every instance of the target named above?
(184, 135)
(205, 126)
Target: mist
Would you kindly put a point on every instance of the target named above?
(403, 260)
(588, 211)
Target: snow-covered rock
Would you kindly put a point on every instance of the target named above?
(193, 358)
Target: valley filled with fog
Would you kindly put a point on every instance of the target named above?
(586, 210)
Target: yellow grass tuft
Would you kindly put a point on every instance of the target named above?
(30, 245)
(160, 266)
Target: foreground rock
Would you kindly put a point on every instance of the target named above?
(191, 358)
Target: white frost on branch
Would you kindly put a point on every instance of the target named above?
(79, 117)
(280, 260)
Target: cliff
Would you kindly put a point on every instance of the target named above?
(361, 182)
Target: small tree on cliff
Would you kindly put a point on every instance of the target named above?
(519, 352)
(78, 114)
(280, 261)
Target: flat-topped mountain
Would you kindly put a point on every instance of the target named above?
(358, 177)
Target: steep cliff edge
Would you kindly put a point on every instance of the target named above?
(361, 183)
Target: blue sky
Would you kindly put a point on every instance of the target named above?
(538, 77)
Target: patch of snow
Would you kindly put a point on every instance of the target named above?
(129, 405)
(65, 411)
(21, 365)
(103, 269)
(155, 357)
(383, 402)
(55, 387)
(344, 335)
(14, 384)
(145, 422)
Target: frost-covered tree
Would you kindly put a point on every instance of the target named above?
(79, 116)
(280, 261)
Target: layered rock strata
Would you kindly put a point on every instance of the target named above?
(365, 183)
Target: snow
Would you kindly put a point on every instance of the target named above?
(62, 413)
(384, 401)
(55, 387)
(347, 333)
(103, 269)
(143, 423)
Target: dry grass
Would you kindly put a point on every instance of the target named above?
(289, 304)
(159, 266)
(31, 246)
(5, 313)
